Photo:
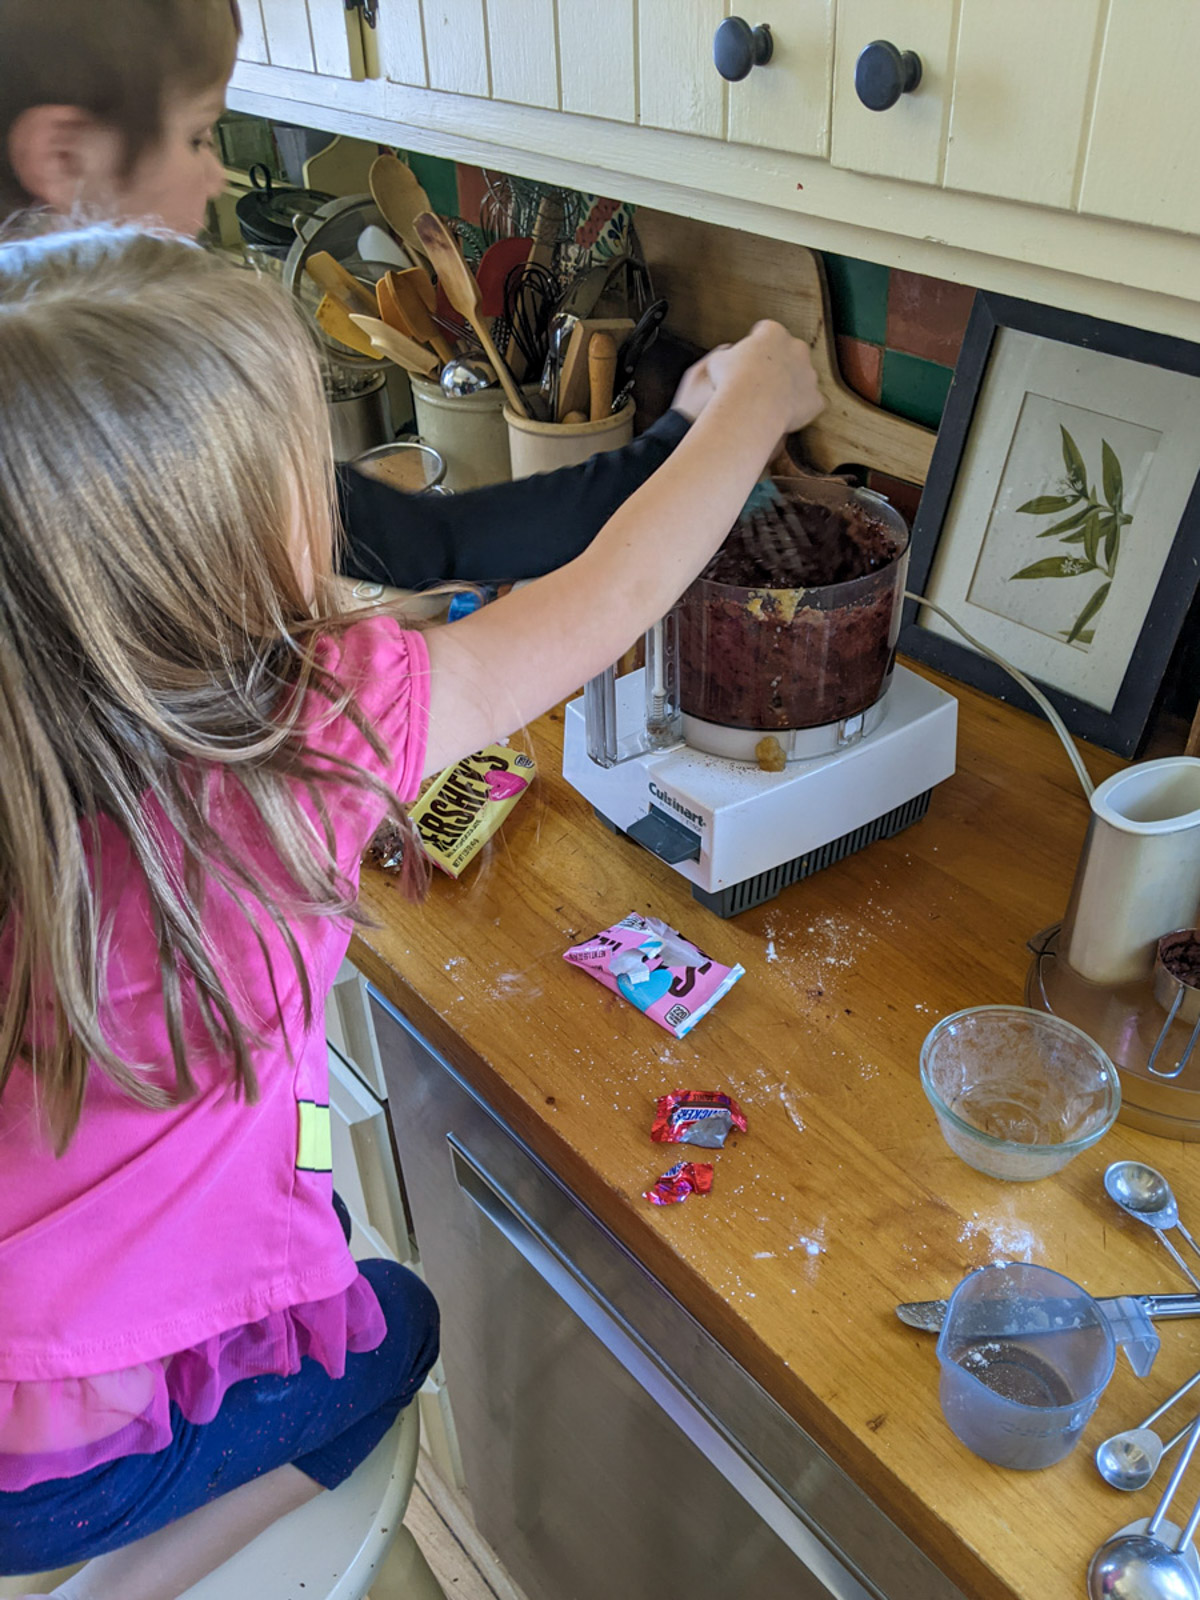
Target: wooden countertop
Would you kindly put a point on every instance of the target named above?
(843, 1199)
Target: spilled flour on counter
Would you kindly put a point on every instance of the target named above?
(1006, 1239)
(772, 953)
(811, 1246)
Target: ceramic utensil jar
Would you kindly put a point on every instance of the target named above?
(1139, 874)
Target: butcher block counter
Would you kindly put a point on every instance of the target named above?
(842, 1199)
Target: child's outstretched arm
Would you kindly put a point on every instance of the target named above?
(510, 661)
(505, 531)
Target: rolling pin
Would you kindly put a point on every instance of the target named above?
(602, 373)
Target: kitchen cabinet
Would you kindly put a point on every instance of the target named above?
(1141, 158)
(317, 36)
(366, 1176)
(1044, 153)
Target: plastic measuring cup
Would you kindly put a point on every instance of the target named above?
(1025, 1356)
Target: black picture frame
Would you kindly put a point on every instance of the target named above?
(1124, 728)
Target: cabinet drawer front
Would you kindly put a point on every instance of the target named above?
(521, 42)
(906, 141)
(1017, 122)
(786, 104)
(679, 87)
(401, 41)
(320, 36)
(456, 46)
(1141, 160)
(595, 46)
(253, 44)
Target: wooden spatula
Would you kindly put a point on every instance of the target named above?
(340, 285)
(333, 319)
(416, 314)
(400, 198)
(454, 276)
(405, 352)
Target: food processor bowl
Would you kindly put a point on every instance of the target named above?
(789, 661)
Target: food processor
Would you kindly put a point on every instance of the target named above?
(770, 732)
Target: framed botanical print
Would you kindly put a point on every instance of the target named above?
(1060, 523)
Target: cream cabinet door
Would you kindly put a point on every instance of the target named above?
(907, 140)
(785, 105)
(321, 36)
(253, 43)
(598, 58)
(1141, 163)
(1022, 82)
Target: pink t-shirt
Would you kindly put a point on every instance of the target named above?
(168, 1253)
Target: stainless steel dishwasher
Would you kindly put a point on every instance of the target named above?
(611, 1447)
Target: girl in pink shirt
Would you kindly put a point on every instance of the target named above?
(197, 740)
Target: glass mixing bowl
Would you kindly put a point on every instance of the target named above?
(1017, 1093)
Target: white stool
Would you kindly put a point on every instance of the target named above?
(340, 1546)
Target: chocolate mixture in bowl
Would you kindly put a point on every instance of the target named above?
(793, 624)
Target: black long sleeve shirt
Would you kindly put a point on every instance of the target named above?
(498, 534)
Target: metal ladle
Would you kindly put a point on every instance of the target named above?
(1146, 1195)
(1139, 1566)
(1129, 1460)
(462, 376)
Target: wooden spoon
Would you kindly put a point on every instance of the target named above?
(405, 352)
(462, 291)
(400, 198)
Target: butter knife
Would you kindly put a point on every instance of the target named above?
(988, 1321)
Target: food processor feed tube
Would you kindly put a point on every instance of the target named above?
(1139, 874)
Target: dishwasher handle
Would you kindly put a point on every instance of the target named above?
(638, 1361)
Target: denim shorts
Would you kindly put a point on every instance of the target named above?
(325, 1426)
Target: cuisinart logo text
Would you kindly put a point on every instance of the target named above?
(676, 805)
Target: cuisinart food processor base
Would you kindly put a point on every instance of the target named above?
(740, 835)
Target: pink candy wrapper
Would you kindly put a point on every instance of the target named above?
(681, 1180)
(657, 970)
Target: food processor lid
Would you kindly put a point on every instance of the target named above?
(265, 212)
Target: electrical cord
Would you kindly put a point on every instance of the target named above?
(1052, 716)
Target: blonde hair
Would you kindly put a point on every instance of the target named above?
(164, 450)
(118, 60)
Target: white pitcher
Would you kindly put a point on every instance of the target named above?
(1139, 873)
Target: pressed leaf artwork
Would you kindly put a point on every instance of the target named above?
(1094, 522)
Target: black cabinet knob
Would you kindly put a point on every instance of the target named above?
(737, 48)
(882, 74)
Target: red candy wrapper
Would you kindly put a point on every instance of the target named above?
(696, 1116)
(683, 1179)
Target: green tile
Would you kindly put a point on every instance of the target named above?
(914, 388)
(858, 291)
(439, 179)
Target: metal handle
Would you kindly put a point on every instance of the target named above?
(882, 74)
(1178, 1259)
(738, 48)
(1173, 1482)
(641, 1364)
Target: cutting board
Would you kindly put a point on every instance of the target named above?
(720, 281)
